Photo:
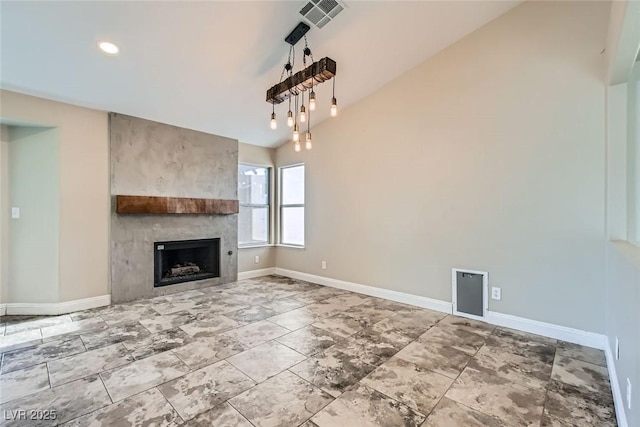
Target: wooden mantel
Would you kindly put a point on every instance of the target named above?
(174, 205)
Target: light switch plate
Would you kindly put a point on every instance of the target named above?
(15, 213)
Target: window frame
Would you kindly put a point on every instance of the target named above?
(282, 205)
(268, 205)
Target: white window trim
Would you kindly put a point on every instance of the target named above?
(298, 205)
(269, 206)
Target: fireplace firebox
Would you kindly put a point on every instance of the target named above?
(186, 260)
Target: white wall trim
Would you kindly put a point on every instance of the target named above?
(54, 308)
(3, 309)
(615, 387)
(576, 336)
(424, 302)
(256, 273)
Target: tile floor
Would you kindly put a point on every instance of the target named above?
(274, 351)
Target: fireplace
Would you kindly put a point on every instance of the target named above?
(186, 260)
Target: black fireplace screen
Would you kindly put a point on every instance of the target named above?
(186, 260)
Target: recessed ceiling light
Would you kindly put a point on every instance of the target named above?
(108, 47)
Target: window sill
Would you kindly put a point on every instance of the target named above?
(284, 245)
(265, 245)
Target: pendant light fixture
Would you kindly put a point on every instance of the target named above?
(308, 145)
(290, 115)
(274, 122)
(295, 84)
(296, 133)
(312, 99)
(303, 111)
(334, 101)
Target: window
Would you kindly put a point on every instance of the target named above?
(253, 193)
(292, 205)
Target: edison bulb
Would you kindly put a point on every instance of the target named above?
(289, 119)
(334, 107)
(303, 114)
(308, 144)
(312, 101)
(274, 123)
(296, 134)
(296, 146)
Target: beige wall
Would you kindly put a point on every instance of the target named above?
(488, 156)
(33, 239)
(246, 256)
(84, 190)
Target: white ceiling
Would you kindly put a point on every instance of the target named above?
(207, 65)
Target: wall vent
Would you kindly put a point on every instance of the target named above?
(321, 12)
(469, 293)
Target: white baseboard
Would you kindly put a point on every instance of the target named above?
(48, 309)
(576, 336)
(256, 273)
(615, 387)
(424, 302)
(3, 309)
(550, 330)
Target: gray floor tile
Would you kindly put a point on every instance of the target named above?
(490, 394)
(449, 413)
(67, 401)
(20, 340)
(42, 322)
(580, 374)
(309, 340)
(17, 384)
(147, 408)
(571, 405)
(446, 361)
(41, 353)
(89, 363)
(266, 360)
(256, 333)
(223, 415)
(205, 388)
(586, 354)
(363, 406)
(114, 334)
(332, 370)
(283, 400)
(142, 375)
(205, 351)
(157, 343)
(408, 383)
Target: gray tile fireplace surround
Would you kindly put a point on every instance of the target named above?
(132, 240)
(155, 159)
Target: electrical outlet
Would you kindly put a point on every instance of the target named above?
(496, 293)
(324, 265)
(15, 213)
(256, 259)
(628, 393)
(617, 349)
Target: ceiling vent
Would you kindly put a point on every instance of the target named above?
(321, 12)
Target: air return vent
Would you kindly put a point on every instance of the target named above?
(469, 291)
(321, 12)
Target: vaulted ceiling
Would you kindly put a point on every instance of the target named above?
(207, 65)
